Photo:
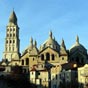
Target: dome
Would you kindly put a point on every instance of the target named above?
(13, 18)
(51, 42)
(78, 46)
(32, 48)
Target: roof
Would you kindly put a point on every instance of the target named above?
(71, 65)
(13, 18)
(31, 49)
(78, 46)
(51, 42)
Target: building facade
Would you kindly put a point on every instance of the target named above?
(45, 64)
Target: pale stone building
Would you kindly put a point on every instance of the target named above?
(83, 76)
(55, 76)
(44, 65)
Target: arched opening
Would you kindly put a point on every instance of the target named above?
(6, 41)
(10, 41)
(33, 59)
(14, 35)
(47, 56)
(22, 62)
(62, 58)
(27, 61)
(13, 41)
(53, 57)
(42, 56)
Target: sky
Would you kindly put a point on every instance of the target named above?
(66, 19)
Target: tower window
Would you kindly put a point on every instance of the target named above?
(13, 35)
(10, 41)
(6, 41)
(42, 57)
(13, 48)
(13, 29)
(27, 61)
(53, 57)
(47, 56)
(13, 41)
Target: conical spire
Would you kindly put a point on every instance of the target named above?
(77, 39)
(63, 44)
(35, 43)
(31, 41)
(13, 18)
(50, 34)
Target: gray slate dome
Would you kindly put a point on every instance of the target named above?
(78, 46)
(51, 42)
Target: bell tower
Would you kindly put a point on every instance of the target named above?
(12, 41)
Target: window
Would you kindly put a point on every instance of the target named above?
(13, 48)
(42, 57)
(22, 62)
(47, 56)
(56, 76)
(13, 41)
(53, 58)
(38, 73)
(27, 61)
(6, 41)
(13, 29)
(33, 59)
(10, 41)
(13, 35)
(62, 58)
(32, 73)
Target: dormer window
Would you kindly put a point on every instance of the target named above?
(42, 57)
(47, 56)
(53, 57)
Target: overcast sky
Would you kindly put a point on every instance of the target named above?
(66, 19)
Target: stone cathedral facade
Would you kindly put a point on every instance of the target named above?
(47, 64)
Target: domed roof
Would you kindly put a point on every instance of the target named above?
(13, 18)
(51, 42)
(32, 48)
(78, 46)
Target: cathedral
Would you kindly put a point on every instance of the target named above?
(49, 66)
